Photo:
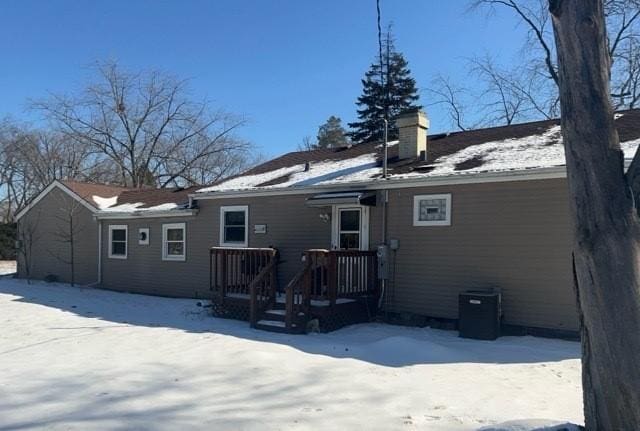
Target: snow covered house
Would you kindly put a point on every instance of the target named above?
(483, 208)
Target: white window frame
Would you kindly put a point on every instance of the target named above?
(416, 210)
(235, 208)
(124, 227)
(165, 241)
(364, 225)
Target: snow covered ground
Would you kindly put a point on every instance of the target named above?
(84, 359)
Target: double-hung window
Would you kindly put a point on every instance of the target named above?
(349, 229)
(234, 222)
(174, 241)
(432, 210)
(118, 241)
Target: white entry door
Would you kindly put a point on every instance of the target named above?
(350, 227)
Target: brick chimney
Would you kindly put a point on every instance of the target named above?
(412, 134)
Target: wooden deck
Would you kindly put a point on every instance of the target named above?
(332, 289)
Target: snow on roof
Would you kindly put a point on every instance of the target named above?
(324, 172)
(532, 152)
(136, 207)
(104, 203)
(526, 146)
(535, 151)
(110, 205)
(629, 148)
(143, 201)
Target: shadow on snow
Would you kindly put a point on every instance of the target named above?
(375, 343)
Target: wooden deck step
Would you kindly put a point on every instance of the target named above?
(277, 315)
(271, 323)
(277, 311)
(276, 326)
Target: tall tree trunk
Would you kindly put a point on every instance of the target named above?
(606, 227)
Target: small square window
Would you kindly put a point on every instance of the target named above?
(432, 210)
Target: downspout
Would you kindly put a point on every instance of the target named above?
(385, 198)
(99, 252)
(385, 175)
(383, 282)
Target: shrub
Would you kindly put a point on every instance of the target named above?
(51, 278)
(7, 241)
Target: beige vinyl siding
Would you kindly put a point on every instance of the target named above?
(292, 228)
(51, 254)
(144, 270)
(513, 236)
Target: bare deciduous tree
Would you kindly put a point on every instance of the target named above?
(528, 90)
(606, 250)
(504, 101)
(69, 228)
(539, 57)
(148, 126)
(504, 96)
(27, 238)
(132, 129)
(452, 98)
(307, 144)
(31, 159)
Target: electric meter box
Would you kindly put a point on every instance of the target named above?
(383, 262)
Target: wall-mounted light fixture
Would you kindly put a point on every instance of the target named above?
(143, 236)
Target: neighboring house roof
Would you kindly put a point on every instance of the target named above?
(81, 192)
(149, 200)
(519, 147)
(88, 191)
(107, 197)
(109, 200)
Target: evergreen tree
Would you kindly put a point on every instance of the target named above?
(331, 134)
(388, 90)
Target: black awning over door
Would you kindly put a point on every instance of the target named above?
(342, 198)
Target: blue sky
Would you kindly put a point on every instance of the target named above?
(285, 64)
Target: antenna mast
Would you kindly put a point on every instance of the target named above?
(385, 88)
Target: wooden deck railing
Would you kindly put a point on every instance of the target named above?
(342, 273)
(262, 291)
(326, 277)
(356, 272)
(297, 299)
(329, 275)
(232, 270)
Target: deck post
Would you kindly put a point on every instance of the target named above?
(306, 281)
(211, 270)
(273, 281)
(288, 321)
(371, 274)
(223, 273)
(253, 305)
(332, 282)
